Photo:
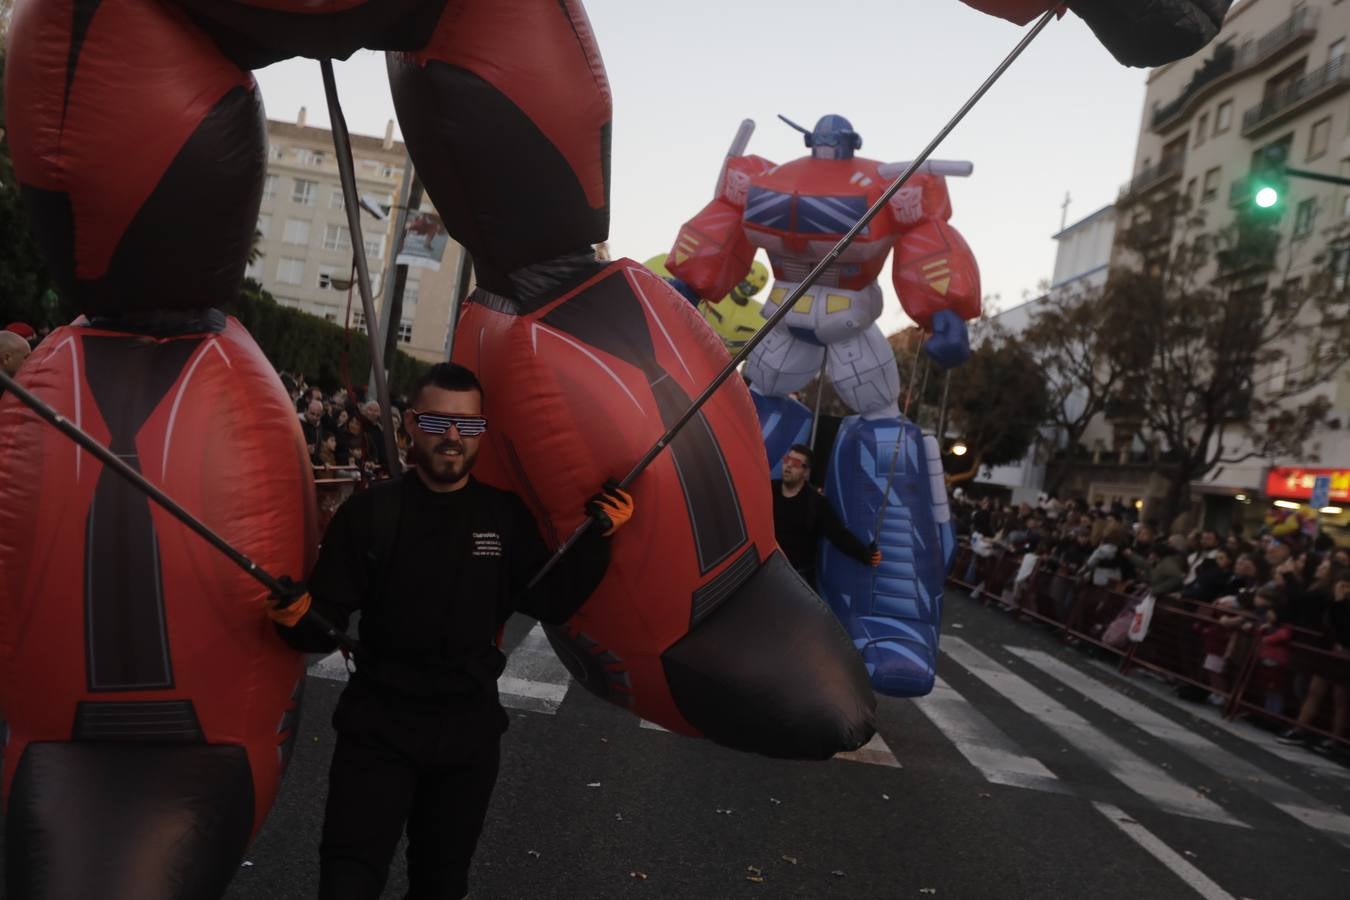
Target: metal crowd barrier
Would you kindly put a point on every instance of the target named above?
(1173, 649)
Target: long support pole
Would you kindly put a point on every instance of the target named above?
(806, 284)
(141, 483)
(820, 394)
(343, 145)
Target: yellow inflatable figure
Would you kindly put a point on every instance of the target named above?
(736, 317)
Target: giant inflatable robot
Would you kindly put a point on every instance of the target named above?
(885, 478)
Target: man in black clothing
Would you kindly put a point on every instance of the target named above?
(436, 563)
(801, 517)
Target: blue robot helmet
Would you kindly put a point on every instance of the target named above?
(832, 138)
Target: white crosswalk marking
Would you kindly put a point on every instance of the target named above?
(333, 667)
(1284, 796)
(874, 752)
(982, 743)
(1210, 716)
(534, 679)
(1125, 766)
(1164, 854)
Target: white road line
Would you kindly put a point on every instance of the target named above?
(983, 744)
(1210, 716)
(1124, 765)
(874, 753)
(1285, 797)
(1194, 878)
(534, 679)
(333, 667)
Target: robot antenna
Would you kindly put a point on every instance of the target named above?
(794, 124)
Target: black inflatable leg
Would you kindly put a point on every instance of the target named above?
(729, 680)
(127, 821)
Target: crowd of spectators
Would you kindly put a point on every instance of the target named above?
(1260, 592)
(343, 433)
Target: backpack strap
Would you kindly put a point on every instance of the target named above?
(387, 503)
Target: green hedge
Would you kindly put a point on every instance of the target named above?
(299, 343)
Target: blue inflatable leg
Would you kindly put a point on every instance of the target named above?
(783, 422)
(892, 612)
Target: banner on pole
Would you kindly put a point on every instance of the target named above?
(424, 241)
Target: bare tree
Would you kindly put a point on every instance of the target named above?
(1224, 354)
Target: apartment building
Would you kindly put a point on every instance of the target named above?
(306, 244)
(1277, 75)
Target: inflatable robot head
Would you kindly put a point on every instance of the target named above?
(752, 284)
(832, 138)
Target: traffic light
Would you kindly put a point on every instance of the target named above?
(1269, 179)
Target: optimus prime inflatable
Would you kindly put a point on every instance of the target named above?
(149, 703)
(885, 478)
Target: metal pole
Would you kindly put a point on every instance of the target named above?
(820, 392)
(343, 145)
(141, 483)
(805, 285)
(391, 268)
(942, 411)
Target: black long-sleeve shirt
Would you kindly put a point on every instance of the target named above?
(430, 613)
(802, 520)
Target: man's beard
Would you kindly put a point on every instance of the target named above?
(446, 469)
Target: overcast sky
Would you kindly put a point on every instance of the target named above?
(685, 74)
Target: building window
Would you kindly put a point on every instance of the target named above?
(1211, 187)
(308, 157)
(297, 232)
(264, 224)
(405, 332)
(1304, 218)
(291, 271)
(1345, 207)
(359, 320)
(1190, 191)
(335, 200)
(1336, 51)
(1202, 129)
(270, 187)
(275, 153)
(330, 317)
(410, 294)
(326, 276)
(1319, 138)
(1340, 267)
(391, 172)
(289, 302)
(304, 192)
(1223, 117)
(374, 247)
(337, 237)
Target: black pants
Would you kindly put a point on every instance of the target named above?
(381, 780)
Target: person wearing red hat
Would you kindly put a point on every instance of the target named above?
(23, 330)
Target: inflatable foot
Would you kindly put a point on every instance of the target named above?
(127, 821)
(784, 422)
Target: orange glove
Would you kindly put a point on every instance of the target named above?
(876, 556)
(289, 607)
(611, 508)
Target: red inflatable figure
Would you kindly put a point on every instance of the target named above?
(149, 702)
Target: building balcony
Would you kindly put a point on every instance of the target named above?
(1315, 87)
(1289, 35)
(1167, 170)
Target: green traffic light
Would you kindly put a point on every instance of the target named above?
(1267, 197)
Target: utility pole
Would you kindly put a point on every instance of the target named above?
(393, 287)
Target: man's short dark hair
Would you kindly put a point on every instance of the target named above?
(447, 377)
(805, 451)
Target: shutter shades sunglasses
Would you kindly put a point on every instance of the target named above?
(440, 423)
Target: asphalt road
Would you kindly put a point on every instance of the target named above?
(1031, 772)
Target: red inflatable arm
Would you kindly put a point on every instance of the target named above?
(934, 267)
(712, 254)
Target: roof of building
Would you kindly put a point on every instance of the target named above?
(1083, 222)
(363, 142)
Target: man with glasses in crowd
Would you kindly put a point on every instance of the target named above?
(801, 517)
(436, 562)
